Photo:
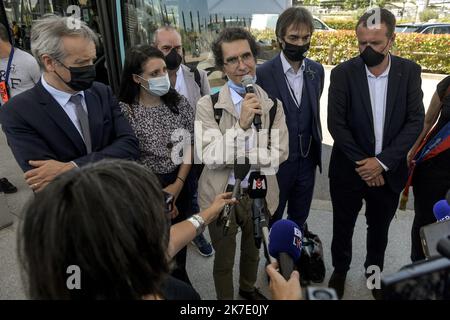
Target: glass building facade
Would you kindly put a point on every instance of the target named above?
(121, 24)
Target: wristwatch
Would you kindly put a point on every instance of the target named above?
(198, 223)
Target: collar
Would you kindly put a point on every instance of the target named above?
(235, 97)
(180, 71)
(287, 66)
(384, 74)
(60, 96)
(225, 96)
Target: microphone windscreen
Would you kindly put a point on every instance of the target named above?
(441, 210)
(285, 236)
(241, 168)
(247, 80)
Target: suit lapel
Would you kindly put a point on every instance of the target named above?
(312, 93)
(280, 80)
(95, 114)
(59, 116)
(363, 86)
(310, 88)
(394, 80)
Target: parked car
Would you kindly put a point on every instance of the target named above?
(319, 25)
(425, 28)
(269, 21)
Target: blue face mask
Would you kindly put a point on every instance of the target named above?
(158, 86)
(238, 88)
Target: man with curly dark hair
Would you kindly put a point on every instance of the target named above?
(235, 53)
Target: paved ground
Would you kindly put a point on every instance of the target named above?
(200, 268)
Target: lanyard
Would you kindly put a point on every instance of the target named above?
(8, 68)
(291, 91)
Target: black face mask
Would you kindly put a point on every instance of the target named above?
(294, 52)
(81, 78)
(173, 60)
(371, 57)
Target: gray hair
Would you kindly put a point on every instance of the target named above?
(165, 28)
(46, 36)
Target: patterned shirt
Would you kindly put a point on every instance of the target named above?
(161, 133)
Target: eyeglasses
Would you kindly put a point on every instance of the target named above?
(234, 61)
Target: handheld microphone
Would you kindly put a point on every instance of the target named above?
(257, 190)
(247, 82)
(285, 244)
(441, 210)
(443, 247)
(241, 169)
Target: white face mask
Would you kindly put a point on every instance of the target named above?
(158, 86)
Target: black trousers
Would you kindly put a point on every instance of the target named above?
(184, 207)
(347, 200)
(296, 181)
(427, 191)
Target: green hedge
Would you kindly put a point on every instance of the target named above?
(340, 24)
(432, 52)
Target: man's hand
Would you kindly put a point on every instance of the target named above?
(376, 182)
(410, 157)
(282, 289)
(45, 171)
(369, 168)
(250, 107)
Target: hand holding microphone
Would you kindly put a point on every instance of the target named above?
(241, 169)
(251, 106)
(282, 289)
(285, 245)
(222, 200)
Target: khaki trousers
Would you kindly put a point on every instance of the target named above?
(225, 247)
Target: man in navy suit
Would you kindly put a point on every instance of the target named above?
(67, 119)
(298, 82)
(375, 114)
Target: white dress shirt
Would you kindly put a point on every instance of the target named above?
(68, 106)
(294, 80)
(249, 137)
(378, 92)
(180, 84)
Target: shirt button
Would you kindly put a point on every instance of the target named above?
(170, 145)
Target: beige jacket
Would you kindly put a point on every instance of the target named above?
(219, 163)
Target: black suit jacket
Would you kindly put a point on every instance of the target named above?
(270, 77)
(37, 128)
(350, 120)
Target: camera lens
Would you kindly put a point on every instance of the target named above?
(314, 293)
(322, 295)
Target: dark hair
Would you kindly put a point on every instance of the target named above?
(230, 35)
(4, 33)
(135, 60)
(108, 219)
(293, 16)
(386, 17)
